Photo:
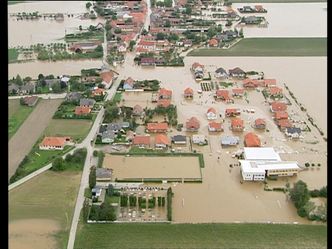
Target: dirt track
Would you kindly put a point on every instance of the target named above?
(29, 132)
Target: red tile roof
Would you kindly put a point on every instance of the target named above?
(213, 42)
(81, 110)
(238, 91)
(98, 92)
(54, 141)
(252, 140)
(278, 106)
(211, 109)
(260, 121)
(165, 92)
(250, 83)
(162, 139)
(222, 93)
(274, 90)
(281, 115)
(196, 64)
(192, 123)
(188, 91)
(231, 110)
(157, 126)
(164, 102)
(137, 140)
(215, 125)
(270, 82)
(284, 123)
(237, 122)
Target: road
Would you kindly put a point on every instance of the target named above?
(43, 96)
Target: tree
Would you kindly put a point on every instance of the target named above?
(80, 27)
(27, 79)
(99, 48)
(241, 32)
(144, 32)
(161, 36)
(117, 31)
(131, 45)
(63, 84)
(92, 177)
(58, 164)
(56, 87)
(188, 11)
(88, 5)
(173, 37)
(323, 192)
(18, 80)
(86, 207)
(299, 194)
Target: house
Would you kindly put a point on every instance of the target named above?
(107, 78)
(260, 123)
(54, 143)
(121, 47)
(237, 73)
(30, 100)
(188, 93)
(211, 113)
(73, 96)
(28, 88)
(249, 83)
(128, 84)
(116, 127)
(237, 92)
(141, 141)
(269, 82)
(251, 140)
(138, 111)
(197, 67)
(293, 132)
(223, 95)
(162, 141)
(165, 93)
(103, 174)
(199, 139)
(232, 112)
(280, 115)
(96, 192)
(192, 124)
(108, 137)
(82, 110)
(50, 82)
(157, 127)
(275, 92)
(163, 103)
(13, 88)
(187, 43)
(215, 127)
(98, 92)
(221, 73)
(84, 47)
(251, 20)
(130, 135)
(278, 106)
(148, 61)
(213, 42)
(229, 140)
(237, 124)
(284, 123)
(179, 139)
(87, 102)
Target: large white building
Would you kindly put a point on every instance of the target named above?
(261, 162)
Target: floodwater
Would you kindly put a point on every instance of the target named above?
(33, 233)
(26, 33)
(290, 20)
(152, 167)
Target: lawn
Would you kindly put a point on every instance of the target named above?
(270, 47)
(12, 55)
(51, 195)
(77, 129)
(238, 236)
(17, 114)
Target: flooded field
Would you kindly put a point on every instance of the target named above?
(297, 20)
(152, 167)
(23, 33)
(24, 234)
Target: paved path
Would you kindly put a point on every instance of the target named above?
(43, 96)
(29, 132)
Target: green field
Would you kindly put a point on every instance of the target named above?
(270, 47)
(237, 236)
(77, 129)
(17, 114)
(51, 195)
(12, 55)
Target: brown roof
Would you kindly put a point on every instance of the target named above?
(157, 126)
(278, 106)
(281, 115)
(164, 102)
(211, 109)
(54, 141)
(107, 76)
(260, 121)
(98, 91)
(188, 90)
(215, 125)
(269, 82)
(29, 100)
(165, 92)
(238, 91)
(284, 123)
(196, 64)
(222, 93)
(213, 42)
(237, 122)
(252, 140)
(81, 110)
(275, 90)
(231, 110)
(192, 123)
(249, 83)
(162, 139)
(137, 140)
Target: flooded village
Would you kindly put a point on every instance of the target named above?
(170, 138)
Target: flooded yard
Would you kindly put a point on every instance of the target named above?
(158, 168)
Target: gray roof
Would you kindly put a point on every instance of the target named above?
(89, 102)
(103, 173)
(107, 134)
(12, 87)
(28, 87)
(179, 138)
(221, 70)
(117, 126)
(230, 140)
(74, 96)
(292, 130)
(51, 82)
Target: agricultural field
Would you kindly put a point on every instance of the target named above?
(34, 219)
(77, 129)
(256, 236)
(17, 115)
(270, 47)
(206, 86)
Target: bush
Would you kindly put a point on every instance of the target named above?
(307, 164)
(92, 177)
(58, 164)
(95, 153)
(302, 212)
(169, 203)
(315, 193)
(312, 165)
